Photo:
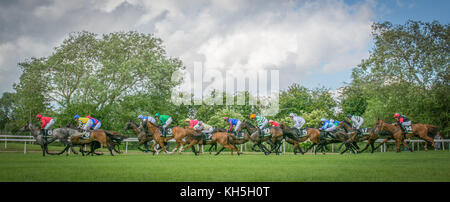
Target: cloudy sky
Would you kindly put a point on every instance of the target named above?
(314, 43)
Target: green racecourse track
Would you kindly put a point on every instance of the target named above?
(138, 166)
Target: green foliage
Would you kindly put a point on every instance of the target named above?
(407, 72)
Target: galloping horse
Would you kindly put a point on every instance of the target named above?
(353, 135)
(254, 136)
(340, 136)
(291, 136)
(225, 139)
(115, 137)
(422, 131)
(36, 133)
(104, 138)
(396, 132)
(143, 138)
(157, 137)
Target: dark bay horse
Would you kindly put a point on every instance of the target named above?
(254, 136)
(143, 138)
(291, 137)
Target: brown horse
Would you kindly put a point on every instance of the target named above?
(191, 137)
(104, 138)
(396, 132)
(422, 131)
(116, 139)
(226, 140)
(143, 138)
(157, 137)
(291, 137)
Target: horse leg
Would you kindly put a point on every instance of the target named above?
(406, 146)
(264, 149)
(384, 141)
(312, 145)
(220, 150)
(253, 148)
(367, 146)
(397, 144)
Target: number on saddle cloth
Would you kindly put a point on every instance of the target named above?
(408, 129)
(168, 131)
(364, 131)
(266, 131)
(86, 135)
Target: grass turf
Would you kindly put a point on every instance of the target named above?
(136, 166)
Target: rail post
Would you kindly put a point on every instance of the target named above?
(6, 143)
(25, 147)
(126, 147)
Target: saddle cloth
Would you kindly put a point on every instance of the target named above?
(86, 135)
(168, 132)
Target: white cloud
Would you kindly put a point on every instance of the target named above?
(295, 36)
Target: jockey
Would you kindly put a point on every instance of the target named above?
(47, 122)
(165, 121)
(205, 128)
(95, 123)
(144, 120)
(298, 122)
(276, 124)
(403, 120)
(83, 122)
(261, 122)
(328, 126)
(357, 121)
(233, 122)
(191, 123)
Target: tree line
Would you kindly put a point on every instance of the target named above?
(115, 77)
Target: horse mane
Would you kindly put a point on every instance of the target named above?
(248, 123)
(346, 122)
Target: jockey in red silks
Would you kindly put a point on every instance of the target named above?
(403, 120)
(274, 123)
(191, 123)
(47, 122)
(95, 123)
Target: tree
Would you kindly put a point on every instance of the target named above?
(407, 72)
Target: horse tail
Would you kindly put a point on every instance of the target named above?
(114, 136)
(432, 131)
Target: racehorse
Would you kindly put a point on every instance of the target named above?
(225, 139)
(36, 133)
(353, 135)
(116, 139)
(422, 131)
(396, 132)
(104, 138)
(340, 136)
(254, 136)
(143, 138)
(157, 137)
(291, 136)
